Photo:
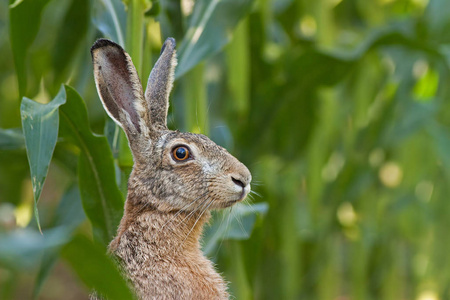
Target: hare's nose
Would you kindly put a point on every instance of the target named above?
(241, 180)
(238, 182)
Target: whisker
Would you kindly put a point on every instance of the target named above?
(144, 207)
(208, 108)
(247, 203)
(183, 210)
(256, 193)
(226, 229)
(195, 210)
(219, 229)
(196, 221)
(238, 219)
(249, 196)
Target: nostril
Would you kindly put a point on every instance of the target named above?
(237, 182)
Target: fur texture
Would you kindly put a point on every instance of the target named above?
(176, 179)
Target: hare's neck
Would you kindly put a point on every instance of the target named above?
(154, 232)
(160, 254)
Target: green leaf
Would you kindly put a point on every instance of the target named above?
(69, 214)
(24, 23)
(112, 132)
(22, 248)
(154, 10)
(75, 24)
(96, 269)
(14, 171)
(426, 87)
(11, 139)
(209, 30)
(40, 129)
(7, 285)
(237, 224)
(441, 138)
(109, 17)
(102, 199)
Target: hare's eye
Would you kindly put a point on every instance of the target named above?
(181, 153)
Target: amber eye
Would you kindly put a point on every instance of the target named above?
(181, 153)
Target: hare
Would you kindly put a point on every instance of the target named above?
(177, 179)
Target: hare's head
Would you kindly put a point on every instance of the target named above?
(172, 170)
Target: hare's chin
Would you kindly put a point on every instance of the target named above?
(242, 196)
(230, 203)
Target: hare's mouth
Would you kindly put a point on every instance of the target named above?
(242, 194)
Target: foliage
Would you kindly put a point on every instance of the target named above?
(339, 108)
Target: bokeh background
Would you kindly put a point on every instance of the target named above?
(340, 108)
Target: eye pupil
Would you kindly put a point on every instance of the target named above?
(181, 153)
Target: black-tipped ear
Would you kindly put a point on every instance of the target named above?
(160, 84)
(119, 87)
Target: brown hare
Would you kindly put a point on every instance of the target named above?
(176, 179)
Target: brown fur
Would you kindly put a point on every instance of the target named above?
(168, 200)
(164, 262)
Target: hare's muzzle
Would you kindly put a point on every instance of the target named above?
(242, 184)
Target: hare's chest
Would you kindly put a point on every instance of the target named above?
(184, 276)
(172, 279)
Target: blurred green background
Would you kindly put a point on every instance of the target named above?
(338, 107)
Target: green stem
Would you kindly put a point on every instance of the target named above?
(134, 46)
(135, 32)
(323, 13)
(240, 285)
(239, 71)
(319, 150)
(196, 101)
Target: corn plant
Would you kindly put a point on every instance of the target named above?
(339, 107)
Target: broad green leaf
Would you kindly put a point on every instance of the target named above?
(11, 139)
(40, 129)
(209, 30)
(96, 269)
(295, 102)
(24, 23)
(392, 35)
(416, 116)
(69, 214)
(23, 248)
(437, 21)
(109, 17)
(75, 24)
(236, 224)
(102, 200)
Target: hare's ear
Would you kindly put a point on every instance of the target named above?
(119, 87)
(160, 84)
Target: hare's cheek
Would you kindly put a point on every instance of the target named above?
(208, 168)
(189, 176)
